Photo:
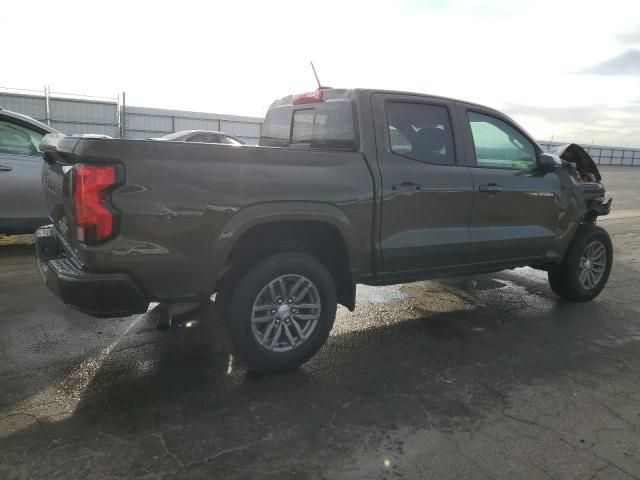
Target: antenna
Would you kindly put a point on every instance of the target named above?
(316, 75)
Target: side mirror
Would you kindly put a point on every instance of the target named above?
(548, 162)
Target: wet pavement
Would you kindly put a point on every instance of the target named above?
(483, 377)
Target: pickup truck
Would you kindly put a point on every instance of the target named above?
(346, 187)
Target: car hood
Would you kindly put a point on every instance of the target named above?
(574, 153)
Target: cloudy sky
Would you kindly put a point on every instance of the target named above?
(567, 69)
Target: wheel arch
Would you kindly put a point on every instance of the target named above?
(321, 230)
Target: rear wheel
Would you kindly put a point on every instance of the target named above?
(585, 270)
(281, 311)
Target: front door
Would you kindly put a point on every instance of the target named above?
(516, 207)
(426, 190)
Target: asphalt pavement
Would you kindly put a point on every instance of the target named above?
(489, 376)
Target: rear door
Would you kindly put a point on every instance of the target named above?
(21, 197)
(427, 191)
(516, 208)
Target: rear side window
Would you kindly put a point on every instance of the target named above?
(421, 132)
(327, 125)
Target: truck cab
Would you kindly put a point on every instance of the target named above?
(462, 187)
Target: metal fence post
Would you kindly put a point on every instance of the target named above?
(119, 115)
(47, 107)
(123, 116)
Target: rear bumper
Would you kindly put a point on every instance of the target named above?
(97, 294)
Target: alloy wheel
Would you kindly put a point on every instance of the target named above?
(285, 313)
(592, 264)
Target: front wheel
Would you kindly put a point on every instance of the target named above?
(585, 270)
(281, 311)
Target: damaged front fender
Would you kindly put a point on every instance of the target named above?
(581, 160)
(587, 180)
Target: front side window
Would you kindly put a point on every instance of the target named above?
(499, 145)
(18, 140)
(421, 132)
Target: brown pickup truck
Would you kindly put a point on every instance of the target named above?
(346, 187)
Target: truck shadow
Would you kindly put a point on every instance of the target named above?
(178, 400)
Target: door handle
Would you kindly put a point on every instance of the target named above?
(4, 168)
(491, 188)
(406, 188)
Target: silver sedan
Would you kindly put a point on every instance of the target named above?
(22, 204)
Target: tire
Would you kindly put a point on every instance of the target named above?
(247, 329)
(568, 279)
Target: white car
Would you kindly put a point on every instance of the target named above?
(202, 136)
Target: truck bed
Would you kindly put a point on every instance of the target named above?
(180, 198)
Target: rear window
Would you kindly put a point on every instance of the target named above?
(303, 122)
(327, 125)
(276, 128)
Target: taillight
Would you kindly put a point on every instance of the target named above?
(309, 97)
(94, 217)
